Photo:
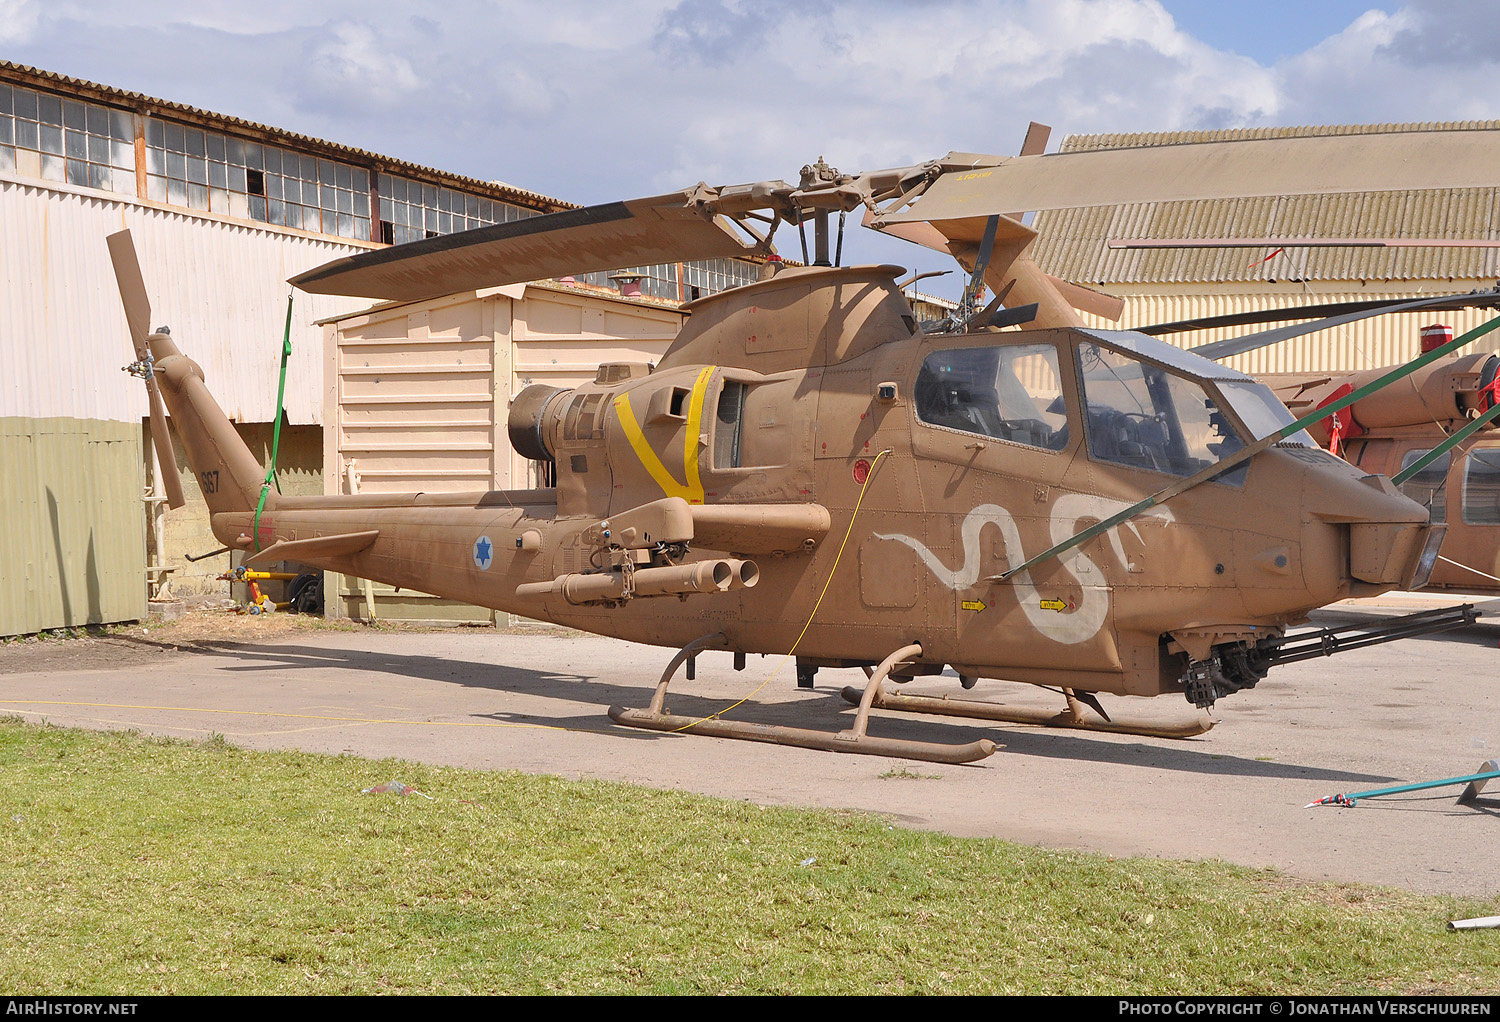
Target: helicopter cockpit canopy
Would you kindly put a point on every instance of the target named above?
(1007, 392)
(1145, 405)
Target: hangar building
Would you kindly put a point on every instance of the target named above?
(1097, 246)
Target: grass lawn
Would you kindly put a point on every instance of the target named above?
(135, 865)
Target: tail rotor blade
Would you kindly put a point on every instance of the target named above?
(138, 315)
(132, 289)
(165, 457)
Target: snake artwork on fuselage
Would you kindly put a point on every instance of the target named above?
(1077, 624)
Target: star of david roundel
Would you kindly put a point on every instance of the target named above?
(484, 553)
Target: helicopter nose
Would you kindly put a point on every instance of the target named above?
(1390, 543)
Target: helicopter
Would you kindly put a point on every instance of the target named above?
(810, 471)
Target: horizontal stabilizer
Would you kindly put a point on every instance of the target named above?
(978, 186)
(314, 549)
(637, 232)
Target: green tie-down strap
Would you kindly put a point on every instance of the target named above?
(271, 480)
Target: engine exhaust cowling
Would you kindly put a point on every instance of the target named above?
(532, 414)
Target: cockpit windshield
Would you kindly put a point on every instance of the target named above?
(1261, 411)
(1140, 415)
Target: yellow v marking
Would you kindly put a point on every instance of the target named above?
(692, 490)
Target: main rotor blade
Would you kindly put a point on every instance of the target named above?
(637, 232)
(1035, 144)
(1220, 350)
(975, 185)
(165, 457)
(1477, 299)
(132, 289)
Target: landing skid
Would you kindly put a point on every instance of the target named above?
(855, 740)
(1073, 717)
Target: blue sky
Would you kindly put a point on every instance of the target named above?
(598, 101)
(1267, 30)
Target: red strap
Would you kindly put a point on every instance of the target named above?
(1335, 434)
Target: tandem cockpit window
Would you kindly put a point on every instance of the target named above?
(1009, 392)
(1142, 416)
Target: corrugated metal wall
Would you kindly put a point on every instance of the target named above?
(1073, 242)
(419, 396)
(72, 535)
(220, 285)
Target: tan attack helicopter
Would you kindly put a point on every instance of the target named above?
(810, 471)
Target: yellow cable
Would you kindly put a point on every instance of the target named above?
(818, 603)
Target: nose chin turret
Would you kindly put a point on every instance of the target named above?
(1390, 543)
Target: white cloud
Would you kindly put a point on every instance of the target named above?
(355, 62)
(18, 19)
(1424, 62)
(887, 84)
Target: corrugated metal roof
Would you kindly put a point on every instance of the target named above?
(22, 74)
(1073, 241)
(1130, 140)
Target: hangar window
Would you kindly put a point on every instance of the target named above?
(1482, 486)
(714, 275)
(413, 210)
(681, 281)
(1011, 392)
(659, 281)
(65, 140)
(1429, 487)
(200, 169)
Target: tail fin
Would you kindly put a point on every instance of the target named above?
(226, 471)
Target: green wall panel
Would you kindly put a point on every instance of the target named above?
(72, 525)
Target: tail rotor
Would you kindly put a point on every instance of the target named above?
(138, 314)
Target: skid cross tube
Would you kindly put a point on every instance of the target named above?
(855, 740)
